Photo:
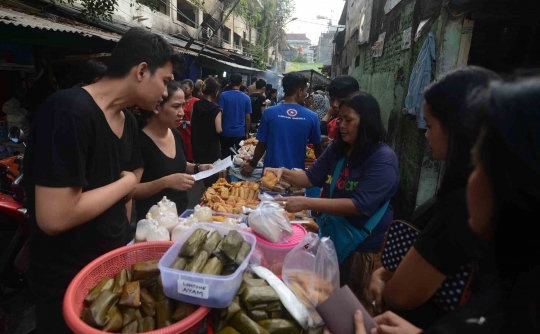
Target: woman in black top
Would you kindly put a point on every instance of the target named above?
(503, 198)
(445, 243)
(166, 171)
(206, 127)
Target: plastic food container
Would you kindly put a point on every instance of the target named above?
(272, 255)
(206, 290)
(189, 212)
(109, 265)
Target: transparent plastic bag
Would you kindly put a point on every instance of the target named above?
(168, 205)
(143, 227)
(230, 223)
(179, 230)
(203, 214)
(311, 271)
(271, 222)
(154, 211)
(167, 219)
(158, 234)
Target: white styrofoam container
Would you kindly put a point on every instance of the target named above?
(199, 289)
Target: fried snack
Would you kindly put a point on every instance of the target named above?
(224, 192)
(219, 218)
(269, 180)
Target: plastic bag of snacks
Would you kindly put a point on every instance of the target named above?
(270, 221)
(167, 219)
(203, 214)
(143, 227)
(168, 205)
(311, 271)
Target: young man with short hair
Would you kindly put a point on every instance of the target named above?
(78, 168)
(339, 88)
(258, 104)
(286, 129)
(236, 117)
(92, 71)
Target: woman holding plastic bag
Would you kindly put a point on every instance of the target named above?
(359, 175)
(166, 171)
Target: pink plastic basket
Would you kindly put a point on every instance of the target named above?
(272, 255)
(109, 265)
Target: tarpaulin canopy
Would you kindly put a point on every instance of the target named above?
(315, 78)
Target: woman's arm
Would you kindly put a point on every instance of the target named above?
(178, 181)
(147, 189)
(414, 282)
(217, 121)
(297, 178)
(333, 206)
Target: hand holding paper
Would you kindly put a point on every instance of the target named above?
(218, 167)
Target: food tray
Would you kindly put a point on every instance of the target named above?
(213, 291)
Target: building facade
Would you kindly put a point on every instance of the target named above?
(380, 47)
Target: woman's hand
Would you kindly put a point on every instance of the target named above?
(277, 171)
(390, 323)
(180, 181)
(246, 169)
(294, 203)
(376, 286)
(205, 167)
(358, 324)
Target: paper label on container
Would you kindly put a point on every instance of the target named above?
(218, 167)
(193, 289)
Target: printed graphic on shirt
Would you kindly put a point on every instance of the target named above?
(292, 112)
(342, 183)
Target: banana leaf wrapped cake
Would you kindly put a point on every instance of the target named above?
(133, 302)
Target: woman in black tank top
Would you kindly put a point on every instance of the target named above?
(165, 170)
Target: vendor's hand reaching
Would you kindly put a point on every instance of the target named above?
(277, 171)
(390, 323)
(358, 324)
(180, 181)
(246, 169)
(294, 203)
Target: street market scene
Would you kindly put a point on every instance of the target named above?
(269, 166)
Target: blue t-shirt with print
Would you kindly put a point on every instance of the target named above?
(287, 129)
(236, 105)
(370, 183)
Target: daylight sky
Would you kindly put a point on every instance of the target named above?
(307, 10)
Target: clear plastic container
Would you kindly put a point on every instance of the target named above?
(206, 290)
(243, 218)
(272, 255)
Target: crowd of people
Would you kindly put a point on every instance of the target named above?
(465, 262)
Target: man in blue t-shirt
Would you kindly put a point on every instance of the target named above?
(236, 117)
(286, 129)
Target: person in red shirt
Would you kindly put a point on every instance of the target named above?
(185, 127)
(339, 88)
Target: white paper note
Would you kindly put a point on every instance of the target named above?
(218, 167)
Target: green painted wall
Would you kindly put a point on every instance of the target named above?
(387, 78)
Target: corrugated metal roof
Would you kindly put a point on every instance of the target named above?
(54, 23)
(57, 23)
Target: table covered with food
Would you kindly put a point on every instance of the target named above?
(230, 265)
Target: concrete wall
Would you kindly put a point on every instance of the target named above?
(387, 78)
(325, 48)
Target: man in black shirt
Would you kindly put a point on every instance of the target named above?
(258, 104)
(78, 168)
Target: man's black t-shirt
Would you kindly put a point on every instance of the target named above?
(157, 165)
(257, 101)
(72, 145)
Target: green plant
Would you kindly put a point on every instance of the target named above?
(299, 58)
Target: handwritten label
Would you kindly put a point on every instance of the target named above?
(197, 290)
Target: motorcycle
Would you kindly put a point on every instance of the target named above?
(14, 229)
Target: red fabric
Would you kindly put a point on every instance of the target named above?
(333, 129)
(186, 133)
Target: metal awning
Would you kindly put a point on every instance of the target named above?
(56, 23)
(315, 77)
(240, 67)
(53, 23)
